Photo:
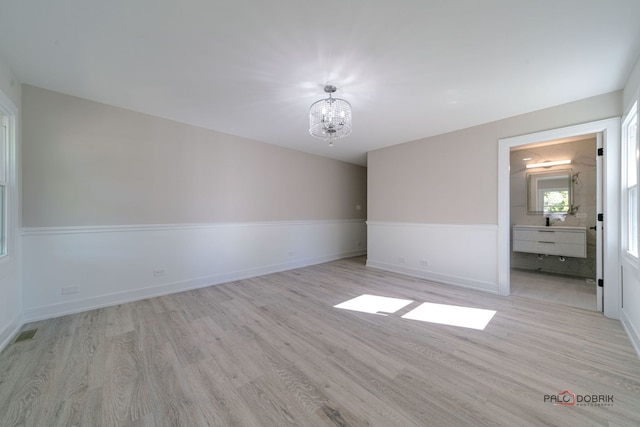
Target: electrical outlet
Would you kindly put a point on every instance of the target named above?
(402, 259)
(424, 262)
(70, 290)
(159, 272)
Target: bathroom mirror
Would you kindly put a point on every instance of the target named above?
(549, 192)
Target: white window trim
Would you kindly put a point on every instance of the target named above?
(628, 117)
(12, 208)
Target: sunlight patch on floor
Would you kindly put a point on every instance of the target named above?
(443, 314)
(374, 304)
(465, 317)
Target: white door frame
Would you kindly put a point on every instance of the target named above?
(599, 227)
(610, 131)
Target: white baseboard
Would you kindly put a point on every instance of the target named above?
(447, 279)
(632, 332)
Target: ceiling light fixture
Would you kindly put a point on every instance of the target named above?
(548, 164)
(330, 118)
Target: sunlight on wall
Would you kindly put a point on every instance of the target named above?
(443, 314)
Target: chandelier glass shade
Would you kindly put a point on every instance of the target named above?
(330, 118)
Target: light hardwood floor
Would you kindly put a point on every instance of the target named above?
(273, 351)
(564, 290)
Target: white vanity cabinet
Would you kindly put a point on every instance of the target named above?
(554, 240)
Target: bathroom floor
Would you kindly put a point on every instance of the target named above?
(565, 290)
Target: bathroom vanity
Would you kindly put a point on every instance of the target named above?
(564, 241)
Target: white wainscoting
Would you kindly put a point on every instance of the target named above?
(117, 264)
(462, 255)
(632, 331)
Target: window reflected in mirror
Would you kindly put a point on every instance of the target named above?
(549, 192)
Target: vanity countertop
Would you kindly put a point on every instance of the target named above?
(555, 227)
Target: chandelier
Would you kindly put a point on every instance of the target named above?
(330, 118)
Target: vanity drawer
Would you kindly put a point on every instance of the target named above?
(543, 240)
(556, 236)
(550, 248)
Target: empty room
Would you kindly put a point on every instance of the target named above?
(249, 213)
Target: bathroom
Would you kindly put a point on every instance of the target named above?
(567, 280)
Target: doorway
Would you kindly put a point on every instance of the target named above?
(556, 202)
(608, 131)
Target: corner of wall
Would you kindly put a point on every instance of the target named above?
(9, 332)
(630, 92)
(632, 332)
(10, 86)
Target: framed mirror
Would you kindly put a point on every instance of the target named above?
(549, 192)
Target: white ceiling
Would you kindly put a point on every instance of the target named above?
(410, 68)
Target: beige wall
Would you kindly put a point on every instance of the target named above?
(453, 178)
(632, 87)
(9, 84)
(86, 163)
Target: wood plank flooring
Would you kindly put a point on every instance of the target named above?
(554, 288)
(273, 351)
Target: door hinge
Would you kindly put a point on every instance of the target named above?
(601, 283)
(600, 151)
(600, 217)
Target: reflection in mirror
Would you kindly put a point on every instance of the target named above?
(549, 192)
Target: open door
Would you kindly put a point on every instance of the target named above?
(599, 223)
